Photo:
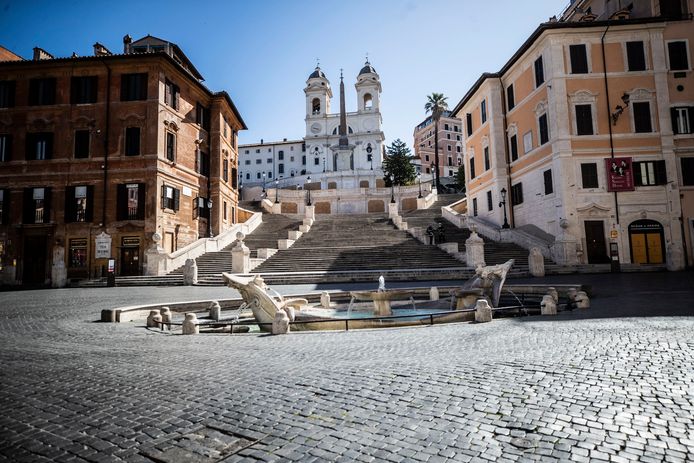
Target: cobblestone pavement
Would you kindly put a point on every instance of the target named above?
(615, 382)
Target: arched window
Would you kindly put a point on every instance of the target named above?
(315, 106)
(368, 101)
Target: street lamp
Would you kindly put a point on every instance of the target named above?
(277, 199)
(419, 177)
(323, 163)
(263, 183)
(308, 190)
(502, 203)
(209, 218)
(392, 183)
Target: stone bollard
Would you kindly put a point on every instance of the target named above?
(483, 311)
(474, 250)
(165, 318)
(310, 213)
(548, 306)
(190, 324)
(154, 319)
(392, 210)
(434, 293)
(552, 291)
(280, 325)
(571, 296)
(536, 263)
(215, 311)
(325, 300)
(190, 272)
(240, 256)
(582, 300)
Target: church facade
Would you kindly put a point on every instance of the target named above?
(324, 148)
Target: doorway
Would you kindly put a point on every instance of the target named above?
(34, 273)
(647, 242)
(129, 261)
(595, 242)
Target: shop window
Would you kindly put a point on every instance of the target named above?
(77, 256)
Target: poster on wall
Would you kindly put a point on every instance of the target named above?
(620, 175)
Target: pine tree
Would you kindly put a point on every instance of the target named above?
(398, 162)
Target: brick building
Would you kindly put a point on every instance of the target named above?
(450, 145)
(99, 153)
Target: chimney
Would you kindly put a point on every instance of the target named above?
(261, 141)
(41, 54)
(285, 139)
(127, 40)
(100, 50)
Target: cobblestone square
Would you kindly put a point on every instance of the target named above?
(613, 383)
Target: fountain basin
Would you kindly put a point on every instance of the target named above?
(381, 299)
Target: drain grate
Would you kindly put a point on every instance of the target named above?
(204, 445)
(523, 443)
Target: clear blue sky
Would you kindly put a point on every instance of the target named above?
(261, 52)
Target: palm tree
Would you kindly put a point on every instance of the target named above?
(436, 105)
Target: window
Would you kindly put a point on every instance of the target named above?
(171, 96)
(130, 201)
(448, 148)
(37, 205)
(247, 162)
(133, 87)
(269, 160)
(5, 147)
(368, 101)
(316, 161)
(170, 146)
(448, 136)
(132, 141)
(234, 177)
(642, 117)
(687, 165)
(517, 194)
(280, 155)
(83, 89)
(78, 253)
(636, 57)
(579, 59)
(202, 116)
(269, 174)
(225, 170)
(472, 167)
(649, 173)
(450, 161)
(487, 163)
(226, 128)
(203, 163)
(258, 161)
(514, 147)
(682, 118)
(589, 175)
(457, 148)
(170, 198)
(468, 120)
(81, 144)
(280, 168)
(445, 127)
(490, 206)
(528, 141)
(474, 207)
(677, 53)
(79, 203)
(539, 72)
(257, 150)
(225, 211)
(303, 160)
(247, 151)
(483, 111)
(39, 146)
(549, 187)
(200, 209)
(248, 176)
(315, 106)
(544, 129)
(426, 157)
(4, 207)
(42, 91)
(7, 90)
(510, 97)
(584, 119)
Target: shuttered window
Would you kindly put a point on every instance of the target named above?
(468, 121)
(472, 167)
(649, 173)
(517, 194)
(642, 117)
(170, 146)
(81, 144)
(584, 119)
(133, 87)
(544, 129)
(79, 203)
(7, 92)
(549, 186)
(5, 147)
(513, 142)
(682, 119)
(36, 205)
(490, 206)
(579, 59)
(687, 165)
(636, 58)
(132, 141)
(677, 52)
(42, 91)
(487, 163)
(589, 175)
(539, 72)
(510, 97)
(83, 89)
(171, 94)
(170, 198)
(130, 201)
(39, 146)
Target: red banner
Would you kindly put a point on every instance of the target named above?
(620, 175)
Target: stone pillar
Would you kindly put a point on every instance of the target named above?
(325, 300)
(240, 256)
(483, 311)
(392, 210)
(166, 318)
(58, 270)
(215, 311)
(434, 293)
(190, 272)
(548, 306)
(280, 325)
(310, 212)
(190, 324)
(536, 262)
(474, 250)
(276, 208)
(155, 257)
(154, 319)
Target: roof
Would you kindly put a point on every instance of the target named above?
(317, 73)
(177, 50)
(367, 69)
(8, 55)
(535, 36)
(271, 143)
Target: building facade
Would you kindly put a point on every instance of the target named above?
(587, 130)
(450, 145)
(101, 154)
(318, 148)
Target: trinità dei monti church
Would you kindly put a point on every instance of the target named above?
(345, 147)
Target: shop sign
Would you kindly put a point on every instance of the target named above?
(620, 175)
(102, 246)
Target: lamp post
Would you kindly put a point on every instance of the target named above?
(323, 163)
(392, 183)
(209, 218)
(502, 203)
(263, 183)
(277, 191)
(308, 190)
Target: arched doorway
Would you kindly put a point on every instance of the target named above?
(647, 242)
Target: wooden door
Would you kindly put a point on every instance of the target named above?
(595, 242)
(638, 248)
(655, 248)
(34, 273)
(129, 261)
